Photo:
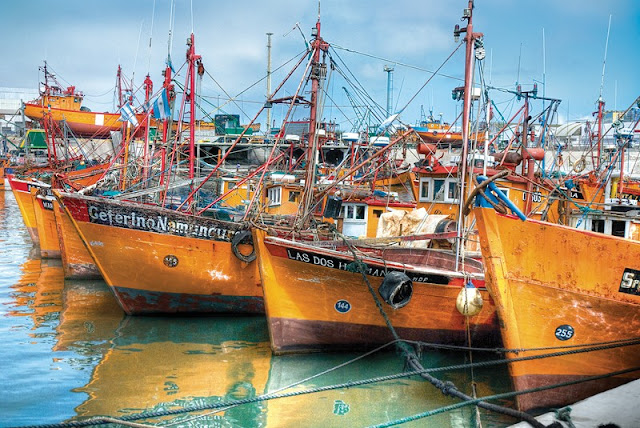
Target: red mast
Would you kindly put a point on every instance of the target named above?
(599, 133)
(318, 72)
(148, 91)
(192, 58)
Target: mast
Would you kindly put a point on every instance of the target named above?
(269, 81)
(525, 154)
(318, 73)
(599, 131)
(194, 61)
(166, 125)
(148, 90)
(600, 100)
(119, 86)
(470, 38)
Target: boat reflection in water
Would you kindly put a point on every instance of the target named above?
(88, 319)
(38, 292)
(163, 363)
(155, 364)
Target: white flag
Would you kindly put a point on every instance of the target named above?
(161, 107)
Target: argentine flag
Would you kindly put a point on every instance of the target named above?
(127, 114)
(161, 107)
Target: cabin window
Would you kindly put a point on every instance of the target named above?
(354, 211)
(438, 190)
(618, 228)
(597, 225)
(275, 196)
(378, 213)
(293, 196)
(452, 190)
(424, 190)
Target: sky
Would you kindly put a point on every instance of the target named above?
(558, 42)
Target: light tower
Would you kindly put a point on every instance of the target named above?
(389, 70)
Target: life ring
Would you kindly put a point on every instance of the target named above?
(243, 237)
(580, 165)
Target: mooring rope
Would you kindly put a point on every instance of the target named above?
(412, 359)
(500, 396)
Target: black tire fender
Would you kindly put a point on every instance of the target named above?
(396, 289)
(243, 237)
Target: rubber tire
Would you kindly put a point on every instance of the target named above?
(243, 237)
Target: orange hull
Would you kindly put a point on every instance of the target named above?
(161, 261)
(46, 224)
(76, 260)
(313, 302)
(83, 123)
(555, 286)
(21, 191)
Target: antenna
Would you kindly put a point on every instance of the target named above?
(153, 13)
(135, 60)
(604, 63)
(268, 82)
(171, 18)
(544, 65)
(519, 57)
(191, 16)
(318, 10)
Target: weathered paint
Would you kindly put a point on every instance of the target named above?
(136, 301)
(543, 276)
(301, 335)
(167, 256)
(305, 295)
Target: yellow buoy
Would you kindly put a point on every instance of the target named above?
(469, 301)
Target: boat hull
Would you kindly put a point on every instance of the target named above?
(567, 293)
(82, 123)
(77, 263)
(314, 303)
(160, 261)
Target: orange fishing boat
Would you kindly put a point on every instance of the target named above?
(163, 261)
(441, 133)
(556, 289)
(315, 301)
(66, 105)
(77, 262)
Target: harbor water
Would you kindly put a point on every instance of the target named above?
(69, 353)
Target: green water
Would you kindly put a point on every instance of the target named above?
(69, 353)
